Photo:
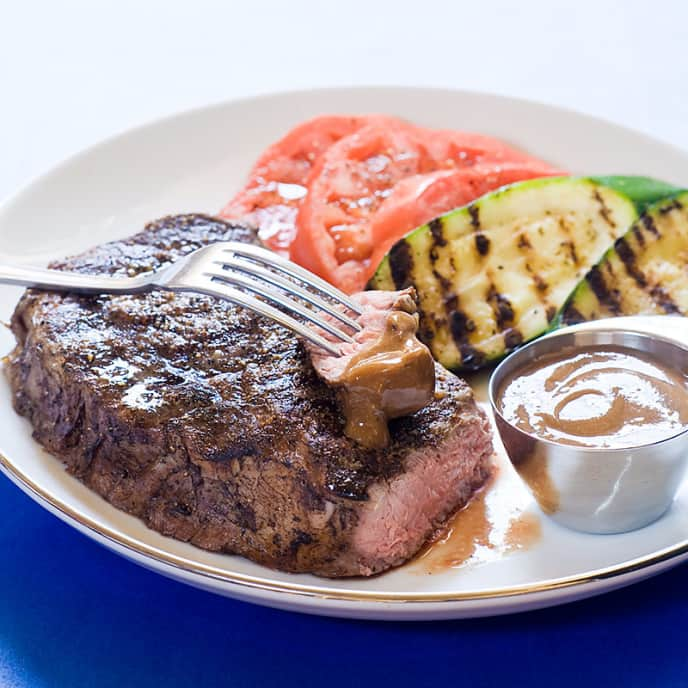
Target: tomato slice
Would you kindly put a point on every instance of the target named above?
(357, 177)
(462, 148)
(346, 186)
(277, 182)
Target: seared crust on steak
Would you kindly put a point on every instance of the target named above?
(210, 424)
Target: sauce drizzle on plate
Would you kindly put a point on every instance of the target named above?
(494, 523)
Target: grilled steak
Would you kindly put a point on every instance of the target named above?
(211, 425)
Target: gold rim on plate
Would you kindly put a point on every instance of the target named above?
(253, 582)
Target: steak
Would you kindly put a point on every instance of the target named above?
(211, 425)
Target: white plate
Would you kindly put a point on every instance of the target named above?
(194, 162)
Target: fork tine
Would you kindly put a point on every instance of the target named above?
(254, 269)
(241, 298)
(286, 266)
(255, 286)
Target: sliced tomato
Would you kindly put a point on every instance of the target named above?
(463, 149)
(277, 182)
(358, 176)
(347, 185)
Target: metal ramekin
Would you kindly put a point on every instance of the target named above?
(593, 489)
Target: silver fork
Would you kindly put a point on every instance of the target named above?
(240, 273)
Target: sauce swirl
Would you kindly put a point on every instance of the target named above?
(598, 396)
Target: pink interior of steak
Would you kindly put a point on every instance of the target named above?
(377, 305)
(403, 513)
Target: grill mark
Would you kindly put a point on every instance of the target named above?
(471, 358)
(451, 302)
(474, 212)
(449, 298)
(429, 325)
(596, 281)
(540, 283)
(503, 310)
(625, 253)
(425, 333)
(674, 205)
(550, 312)
(460, 326)
(401, 264)
(638, 235)
(506, 311)
(604, 210)
(524, 242)
(445, 283)
(512, 339)
(569, 243)
(649, 225)
(572, 316)
(482, 243)
(436, 229)
(573, 254)
(663, 299)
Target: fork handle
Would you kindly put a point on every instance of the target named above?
(43, 278)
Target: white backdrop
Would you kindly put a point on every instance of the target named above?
(72, 71)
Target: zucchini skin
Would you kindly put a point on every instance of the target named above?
(492, 275)
(644, 272)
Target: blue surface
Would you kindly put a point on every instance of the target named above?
(72, 614)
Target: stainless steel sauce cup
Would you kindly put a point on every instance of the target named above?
(596, 490)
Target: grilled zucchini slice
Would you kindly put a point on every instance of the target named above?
(645, 272)
(493, 274)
